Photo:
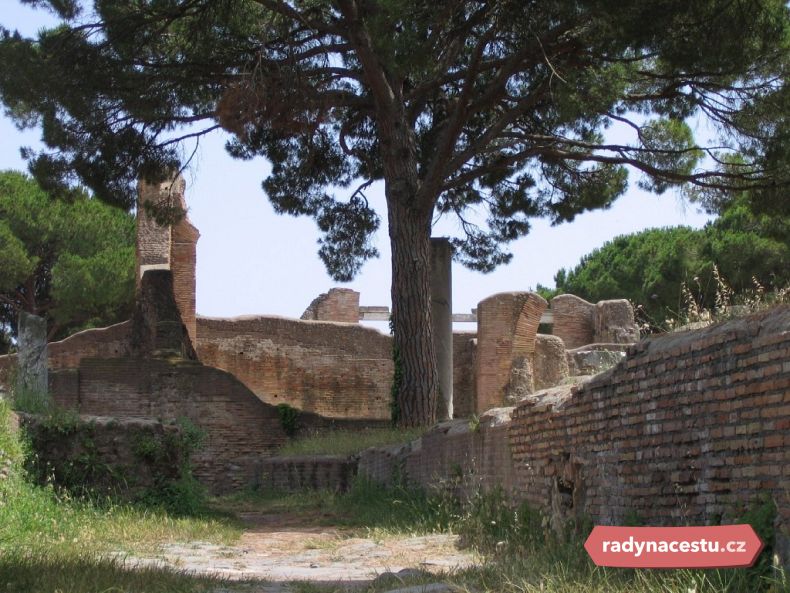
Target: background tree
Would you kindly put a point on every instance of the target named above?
(68, 260)
(650, 267)
(493, 112)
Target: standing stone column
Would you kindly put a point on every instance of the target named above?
(32, 355)
(442, 320)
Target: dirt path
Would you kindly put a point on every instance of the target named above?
(285, 547)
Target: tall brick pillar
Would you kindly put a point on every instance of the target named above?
(171, 247)
(507, 324)
(442, 319)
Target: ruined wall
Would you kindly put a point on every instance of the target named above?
(684, 429)
(550, 361)
(687, 428)
(333, 369)
(239, 427)
(106, 342)
(314, 472)
(339, 304)
(573, 320)
(123, 457)
(170, 247)
(459, 455)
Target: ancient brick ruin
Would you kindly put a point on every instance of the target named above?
(690, 423)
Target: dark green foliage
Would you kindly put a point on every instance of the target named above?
(184, 495)
(505, 102)
(70, 259)
(64, 452)
(289, 418)
(650, 267)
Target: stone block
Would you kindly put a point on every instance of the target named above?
(32, 355)
(614, 322)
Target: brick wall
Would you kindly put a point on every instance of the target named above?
(106, 342)
(240, 428)
(183, 258)
(573, 320)
(690, 426)
(309, 472)
(339, 304)
(171, 247)
(456, 454)
(337, 370)
(124, 457)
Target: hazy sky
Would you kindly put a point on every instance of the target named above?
(251, 260)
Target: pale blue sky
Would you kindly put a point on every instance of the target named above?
(253, 261)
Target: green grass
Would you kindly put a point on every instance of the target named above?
(348, 442)
(521, 556)
(52, 542)
(42, 573)
(368, 508)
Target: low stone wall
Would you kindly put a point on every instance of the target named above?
(239, 427)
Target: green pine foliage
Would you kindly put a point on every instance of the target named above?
(69, 258)
(751, 251)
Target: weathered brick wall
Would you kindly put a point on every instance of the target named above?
(240, 428)
(573, 320)
(171, 247)
(337, 370)
(464, 394)
(125, 457)
(507, 326)
(309, 472)
(183, 259)
(339, 304)
(457, 455)
(106, 342)
(153, 240)
(687, 427)
(685, 430)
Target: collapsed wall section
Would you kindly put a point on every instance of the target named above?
(170, 246)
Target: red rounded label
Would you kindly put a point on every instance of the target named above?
(720, 546)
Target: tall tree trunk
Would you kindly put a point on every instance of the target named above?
(409, 230)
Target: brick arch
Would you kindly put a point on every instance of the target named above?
(507, 326)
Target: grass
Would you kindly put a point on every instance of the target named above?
(52, 542)
(42, 573)
(367, 509)
(348, 442)
(521, 556)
